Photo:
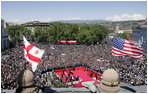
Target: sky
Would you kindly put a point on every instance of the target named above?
(46, 11)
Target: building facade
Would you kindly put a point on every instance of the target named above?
(139, 37)
(4, 35)
(136, 36)
(32, 25)
(144, 37)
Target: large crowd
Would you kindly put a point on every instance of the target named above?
(98, 57)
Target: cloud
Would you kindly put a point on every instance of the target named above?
(51, 20)
(21, 21)
(74, 18)
(126, 17)
(15, 21)
(43, 20)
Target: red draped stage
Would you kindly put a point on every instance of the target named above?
(84, 76)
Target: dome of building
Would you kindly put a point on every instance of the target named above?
(110, 76)
(25, 78)
(110, 81)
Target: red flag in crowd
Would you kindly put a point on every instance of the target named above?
(123, 47)
(67, 42)
(62, 42)
(32, 54)
(72, 42)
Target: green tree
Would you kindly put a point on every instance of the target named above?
(91, 34)
(40, 34)
(15, 32)
(56, 31)
(71, 32)
(122, 35)
(26, 32)
(84, 34)
(7, 24)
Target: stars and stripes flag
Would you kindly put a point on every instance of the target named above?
(32, 54)
(123, 47)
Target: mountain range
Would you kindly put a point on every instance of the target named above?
(89, 21)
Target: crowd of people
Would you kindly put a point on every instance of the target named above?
(97, 57)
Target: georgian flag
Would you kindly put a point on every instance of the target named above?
(32, 54)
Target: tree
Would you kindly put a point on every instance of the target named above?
(81, 37)
(15, 32)
(84, 34)
(7, 24)
(91, 34)
(122, 35)
(72, 31)
(26, 31)
(40, 34)
(56, 32)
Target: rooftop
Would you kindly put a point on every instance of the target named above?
(123, 89)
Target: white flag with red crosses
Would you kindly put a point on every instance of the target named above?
(32, 54)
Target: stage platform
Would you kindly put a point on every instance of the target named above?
(83, 73)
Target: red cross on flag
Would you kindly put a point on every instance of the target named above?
(32, 54)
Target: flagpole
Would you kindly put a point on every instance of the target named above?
(120, 47)
(139, 74)
(25, 62)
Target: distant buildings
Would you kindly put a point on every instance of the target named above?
(119, 30)
(111, 35)
(136, 36)
(32, 25)
(144, 37)
(139, 36)
(4, 35)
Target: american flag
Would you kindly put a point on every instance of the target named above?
(123, 47)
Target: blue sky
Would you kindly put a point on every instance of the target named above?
(45, 11)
